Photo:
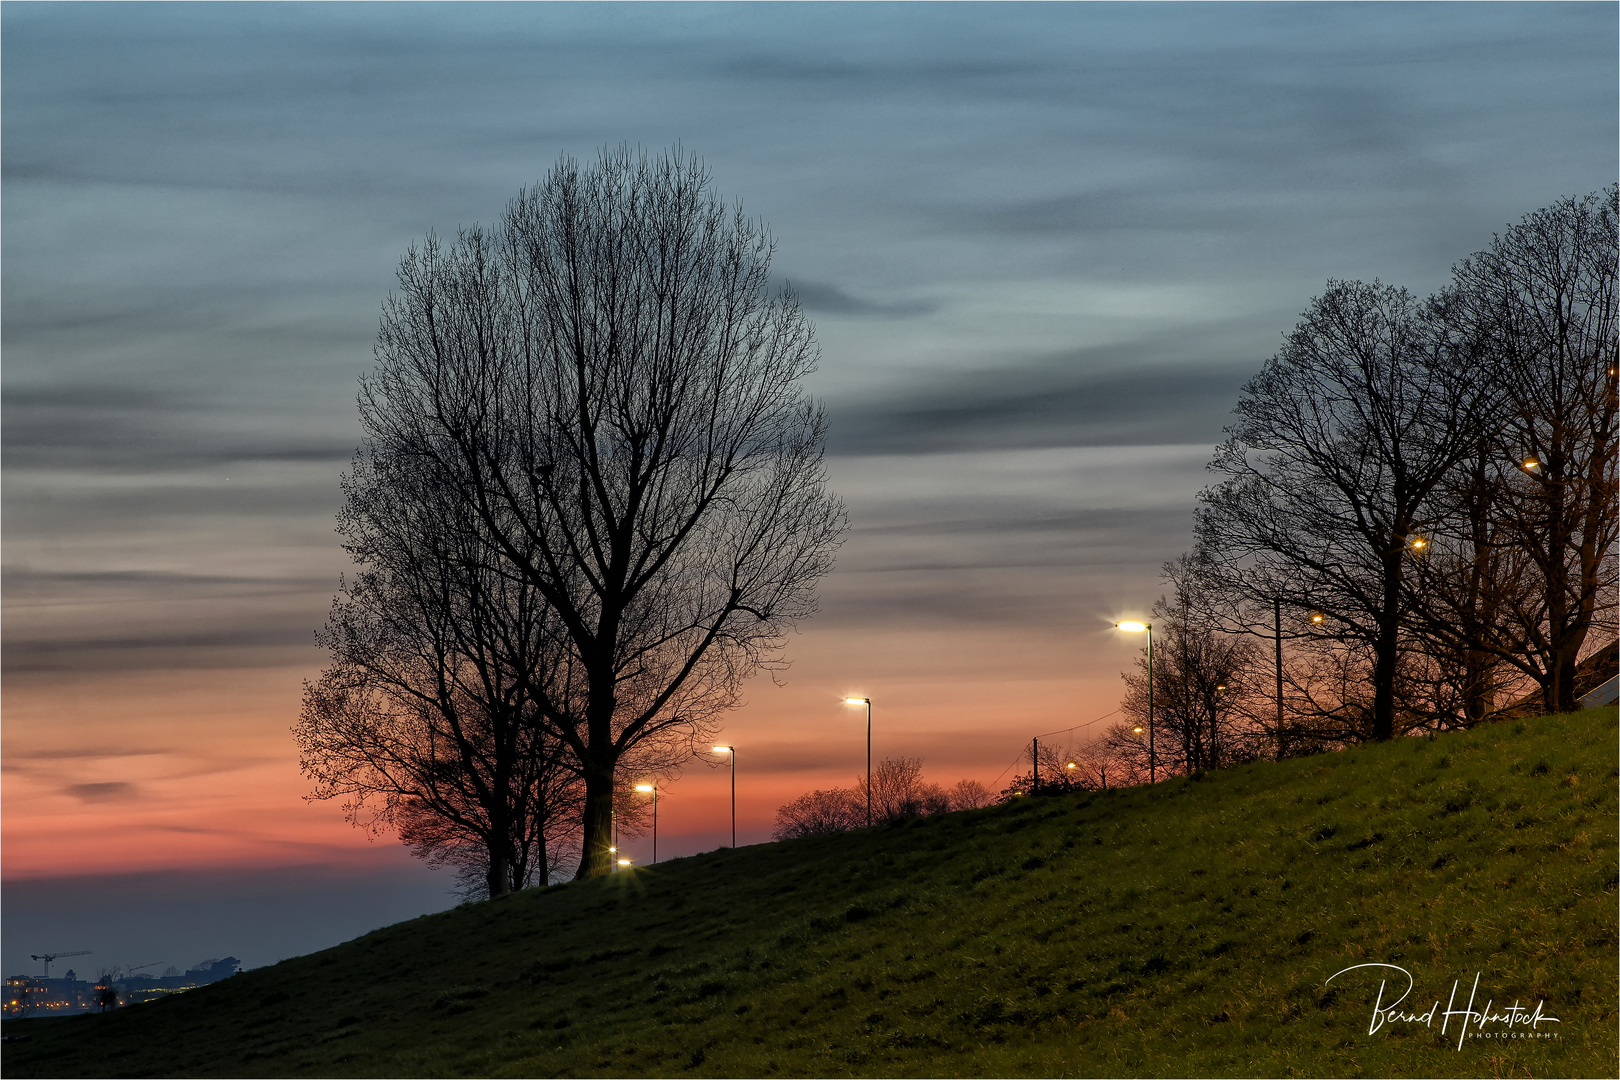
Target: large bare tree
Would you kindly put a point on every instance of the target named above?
(1339, 446)
(1540, 301)
(605, 383)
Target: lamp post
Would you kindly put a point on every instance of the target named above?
(654, 789)
(868, 703)
(732, 751)
(1137, 628)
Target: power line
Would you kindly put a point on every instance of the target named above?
(1077, 727)
(1060, 731)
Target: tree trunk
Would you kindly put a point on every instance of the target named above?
(1386, 649)
(1479, 695)
(595, 857)
(1565, 681)
(499, 878)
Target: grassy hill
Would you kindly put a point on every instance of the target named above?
(1184, 930)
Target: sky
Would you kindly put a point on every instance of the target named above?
(1043, 246)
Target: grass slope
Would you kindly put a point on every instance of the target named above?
(1186, 929)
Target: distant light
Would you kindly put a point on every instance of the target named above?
(1419, 542)
(1071, 765)
(1317, 616)
(857, 701)
(1137, 729)
(722, 749)
(645, 787)
(1131, 627)
(1531, 463)
(1222, 686)
(624, 862)
(611, 850)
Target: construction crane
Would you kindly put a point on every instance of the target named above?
(125, 972)
(48, 957)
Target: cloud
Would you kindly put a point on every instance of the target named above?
(120, 429)
(27, 582)
(1080, 400)
(111, 791)
(228, 647)
(85, 752)
(830, 300)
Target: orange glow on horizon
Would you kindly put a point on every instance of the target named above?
(198, 769)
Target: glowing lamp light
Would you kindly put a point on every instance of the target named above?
(624, 862)
(1071, 765)
(722, 749)
(1317, 616)
(1531, 463)
(645, 787)
(856, 701)
(1137, 729)
(1131, 627)
(1418, 543)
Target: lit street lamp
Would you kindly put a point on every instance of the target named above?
(868, 703)
(731, 750)
(654, 789)
(1137, 628)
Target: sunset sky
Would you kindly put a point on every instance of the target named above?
(1043, 246)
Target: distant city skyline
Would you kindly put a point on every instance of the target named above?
(1044, 245)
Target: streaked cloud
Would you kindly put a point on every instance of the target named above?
(107, 791)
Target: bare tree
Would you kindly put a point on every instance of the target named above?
(1205, 677)
(899, 791)
(605, 383)
(1126, 747)
(1471, 585)
(968, 795)
(1540, 303)
(820, 813)
(1095, 768)
(425, 721)
(1340, 443)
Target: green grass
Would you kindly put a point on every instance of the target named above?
(1183, 930)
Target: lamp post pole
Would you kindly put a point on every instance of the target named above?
(868, 703)
(732, 751)
(654, 789)
(1137, 628)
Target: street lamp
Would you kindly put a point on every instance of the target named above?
(732, 750)
(1133, 627)
(654, 789)
(868, 703)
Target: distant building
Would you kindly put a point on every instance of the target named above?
(29, 996)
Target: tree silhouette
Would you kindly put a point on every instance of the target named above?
(1540, 303)
(605, 385)
(1340, 444)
